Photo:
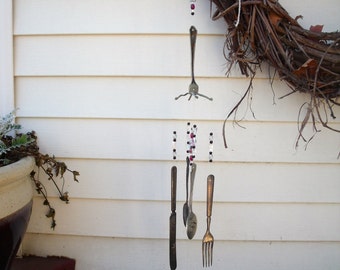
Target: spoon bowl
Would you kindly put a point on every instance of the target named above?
(192, 225)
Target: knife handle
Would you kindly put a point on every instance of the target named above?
(173, 188)
(210, 194)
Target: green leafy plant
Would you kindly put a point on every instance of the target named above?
(15, 145)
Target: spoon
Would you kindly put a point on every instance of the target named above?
(192, 219)
(186, 206)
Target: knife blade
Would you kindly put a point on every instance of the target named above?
(172, 220)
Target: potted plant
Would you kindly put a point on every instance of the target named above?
(20, 158)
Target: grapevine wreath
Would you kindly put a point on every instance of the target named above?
(307, 60)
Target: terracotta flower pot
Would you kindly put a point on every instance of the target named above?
(16, 195)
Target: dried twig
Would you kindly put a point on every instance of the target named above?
(308, 60)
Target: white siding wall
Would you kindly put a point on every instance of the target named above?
(97, 80)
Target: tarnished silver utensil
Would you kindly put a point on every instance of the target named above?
(192, 219)
(208, 239)
(172, 220)
(193, 87)
(186, 205)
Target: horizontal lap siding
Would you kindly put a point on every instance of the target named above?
(116, 55)
(151, 139)
(235, 182)
(145, 98)
(231, 221)
(119, 16)
(117, 253)
(150, 16)
(98, 79)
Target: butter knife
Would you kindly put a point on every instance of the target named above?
(172, 237)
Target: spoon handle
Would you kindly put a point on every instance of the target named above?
(187, 178)
(192, 179)
(210, 194)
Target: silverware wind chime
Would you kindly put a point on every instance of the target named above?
(189, 217)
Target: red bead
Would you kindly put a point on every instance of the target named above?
(192, 6)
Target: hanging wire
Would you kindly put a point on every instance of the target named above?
(239, 13)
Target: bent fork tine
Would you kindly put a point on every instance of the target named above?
(183, 95)
(201, 95)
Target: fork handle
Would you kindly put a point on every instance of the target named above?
(187, 178)
(210, 194)
(193, 36)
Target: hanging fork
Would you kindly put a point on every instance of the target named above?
(208, 239)
(193, 87)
